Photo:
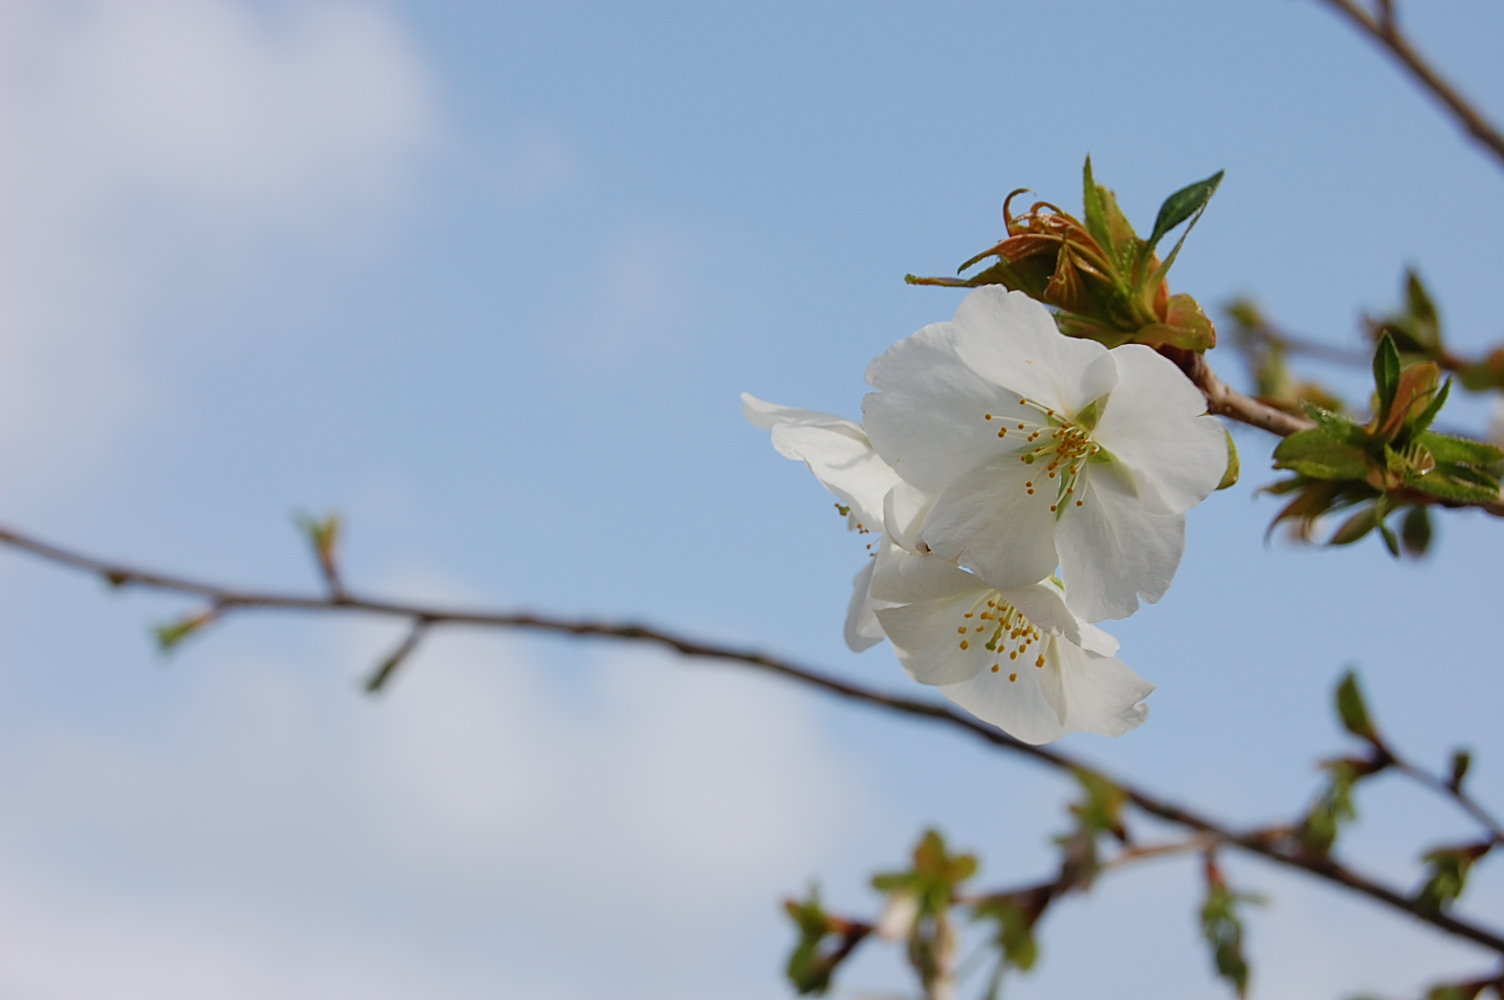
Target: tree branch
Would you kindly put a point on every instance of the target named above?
(1385, 30)
(1463, 800)
(1263, 843)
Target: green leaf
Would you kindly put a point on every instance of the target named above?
(1321, 454)
(1386, 375)
(1222, 928)
(1457, 482)
(1183, 204)
(1421, 306)
(1391, 540)
(1015, 915)
(169, 635)
(1447, 875)
(935, 874)
(1416, 532)
(1355, 527)
(1332, 809)
(813, 960)
(1336, 425)
(1453, 450)
(1101, 810)
(1352, 710)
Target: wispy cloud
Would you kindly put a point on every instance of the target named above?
(150, 146)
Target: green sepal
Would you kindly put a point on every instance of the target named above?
(1185, 326)
(1230, 474)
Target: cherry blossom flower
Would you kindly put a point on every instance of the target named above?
(1018, 659)
(1045, 451)
(949, 627)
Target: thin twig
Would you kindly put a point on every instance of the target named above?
(1292, 344)
(1385, 30)
(1441, 787)
(398, 656)
(1258, 842)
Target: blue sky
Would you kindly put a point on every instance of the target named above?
(489, 279)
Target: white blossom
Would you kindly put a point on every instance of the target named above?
(1045, 451)
(1019, 659)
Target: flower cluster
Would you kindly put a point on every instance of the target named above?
(1024, 484)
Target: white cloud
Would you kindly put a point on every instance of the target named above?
(482, 830)
(149, 146)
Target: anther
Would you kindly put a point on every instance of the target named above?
(996, 667)
(1013, 677)
(965, 644)
(962, 630)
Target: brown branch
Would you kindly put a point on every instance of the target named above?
(1263, 843)
(1384, 30)
(1225, 401)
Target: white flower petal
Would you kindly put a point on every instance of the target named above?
(929, 419)
(988, 522)
(1017, 707)
(904, 577)
(1008, 338)
(1045, 605)
(1095, 694)
(761, 413)
(1155, 423)
(928, 640)
(1113, 551)
(844, 462)
(863, 631)
(904, 511)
